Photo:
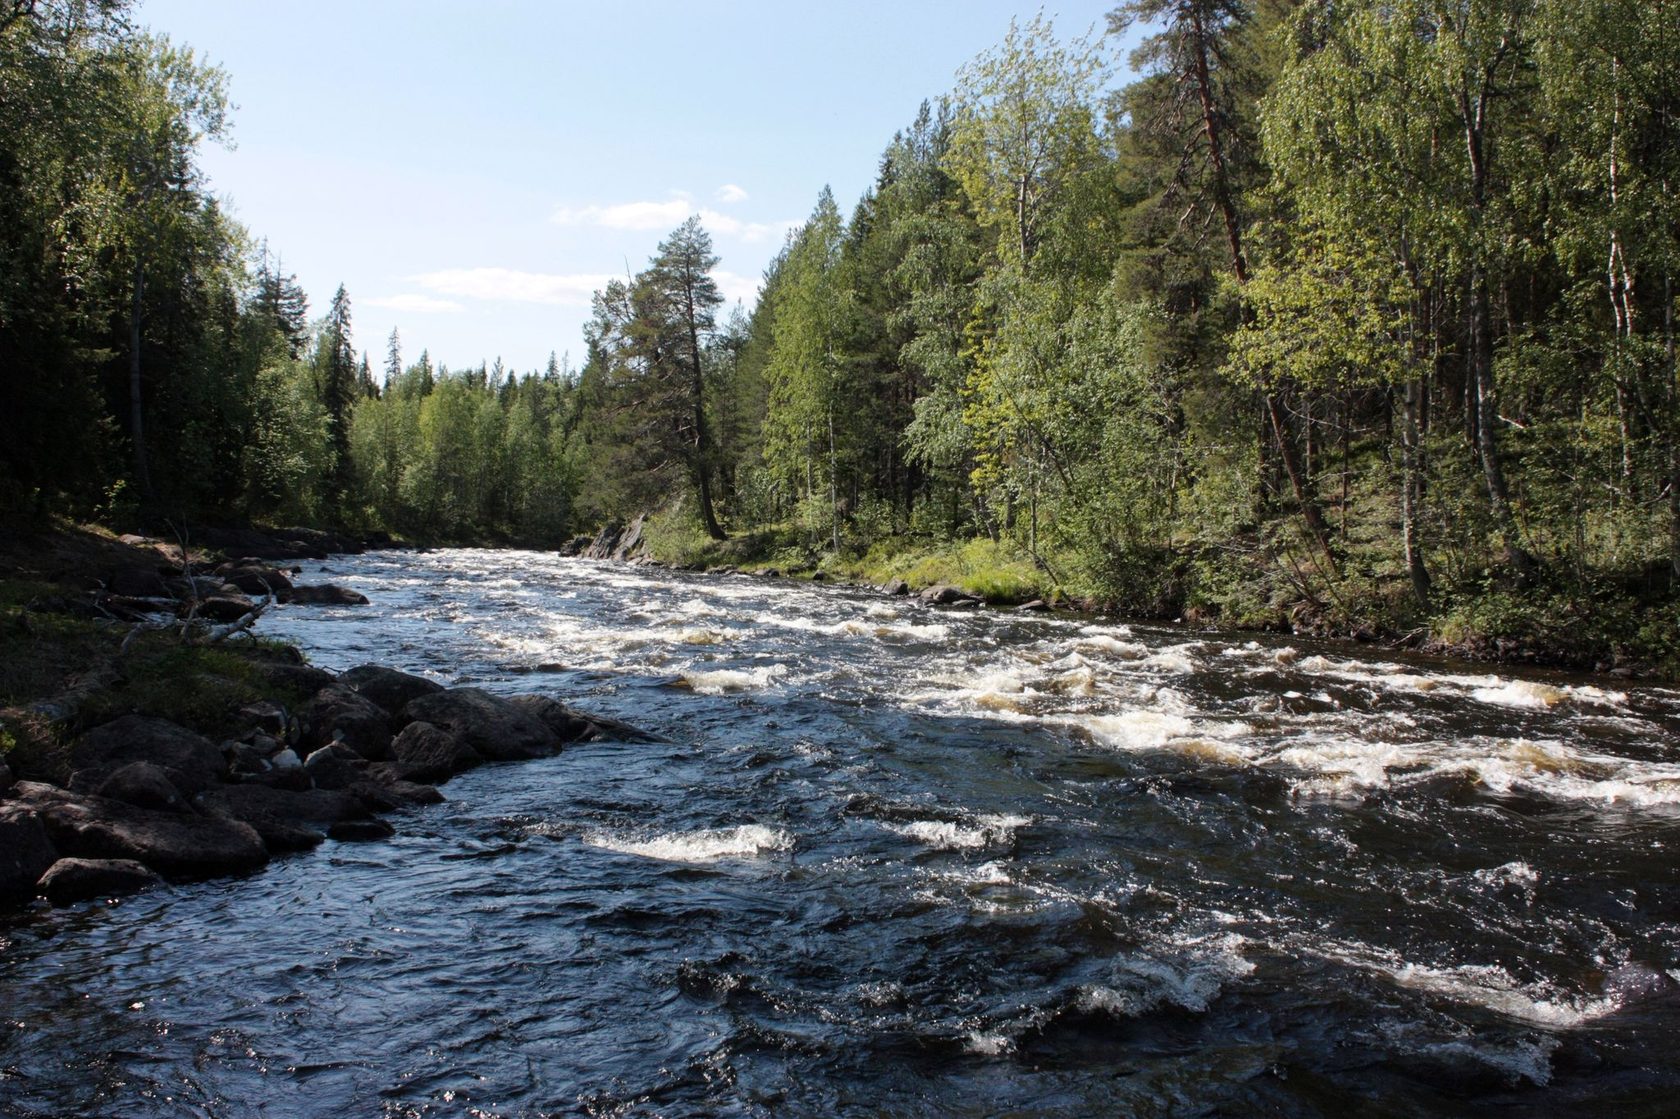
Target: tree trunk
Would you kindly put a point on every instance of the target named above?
(142, 474)
(702, 439)
(1487, 425)
(1410, 469)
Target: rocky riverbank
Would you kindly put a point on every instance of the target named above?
(149, 737)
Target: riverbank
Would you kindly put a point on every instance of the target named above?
(1625, 629)
(147, 735)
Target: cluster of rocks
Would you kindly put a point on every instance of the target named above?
(225, 592)
(616, 541)
(148, 800)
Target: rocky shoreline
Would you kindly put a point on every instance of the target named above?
(115, 798)
(148, 800)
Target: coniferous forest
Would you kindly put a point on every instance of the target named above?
(1354, 317)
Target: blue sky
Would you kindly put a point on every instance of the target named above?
(471, 172)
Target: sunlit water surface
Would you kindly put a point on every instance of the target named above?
(899, 860)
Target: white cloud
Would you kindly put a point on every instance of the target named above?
(734, 287)
(510, 286)
(667, 215)
(416, 304)
(728, 194)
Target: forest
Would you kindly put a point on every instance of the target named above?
(1350, 317)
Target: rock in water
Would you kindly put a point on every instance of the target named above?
(324, 594)
(175, 844)
(423, 752)
(71, 880)
(388, 689)
(494, 727)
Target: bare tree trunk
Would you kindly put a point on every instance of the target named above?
(1410, 469)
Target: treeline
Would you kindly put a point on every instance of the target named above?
(159, 367)
(1336, 312)
(1346, 310)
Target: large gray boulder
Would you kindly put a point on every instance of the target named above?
(25, 851)
(943, 595)
(286, 819)
(388, 689)
(255, 579)
(340, 713)
(143, 785)
(424, 752)
(177, 845)
(497, 729)
(570, 725)
(71, 880)
(191, 762)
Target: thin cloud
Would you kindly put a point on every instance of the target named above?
(728, 194)
(667, 215)
(415, 304)
(507, 285)
(735, 288)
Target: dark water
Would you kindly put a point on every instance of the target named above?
(901, 861)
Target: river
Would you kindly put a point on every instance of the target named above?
(903, 860)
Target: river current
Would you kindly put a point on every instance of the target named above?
(905, 860)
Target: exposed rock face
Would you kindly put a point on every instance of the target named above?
(388, 689)
(71, 880)
(177, 844)
(191, 762)
(617, 541)
(495, 728)
(324, 594)
(338, 712)
(423, 752)
(25, 852)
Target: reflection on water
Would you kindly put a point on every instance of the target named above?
(899, 860)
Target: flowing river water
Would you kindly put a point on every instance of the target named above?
(902, 860)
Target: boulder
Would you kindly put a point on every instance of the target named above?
(338, 713)
(255, 579)
(1036, 606)
(286, 819)
(567, 725)
(388, 689)
(143, 785)
(71, 880)
(25, 851)
(494, 727)
(574, 726)
(222, 607)
(324, 594)
(301, 678)
(384, 790)
(423, 752)
(335, 767)
(190, 761)
(176, 844)
(896, 588)
(945, 595)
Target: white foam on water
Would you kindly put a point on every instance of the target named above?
(1146, 729)
(721, 681)
(988, 1044)
(1175, 659)
(1192, 982)
(948, 836)
(703, 637)
(704, 846)
(1342, 766)
(1113, 646)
